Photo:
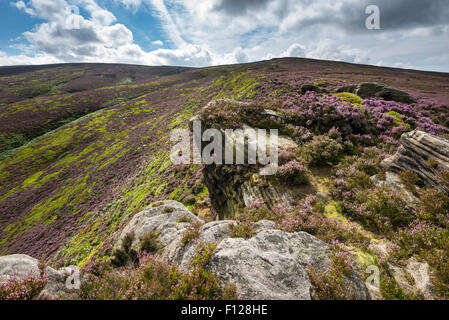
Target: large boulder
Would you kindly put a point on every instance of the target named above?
(422, 153)
(368, 90)
(167, 218)
(229, 192)
(60, 283)
(213, 232)
(414, 277)
(393, 181)
(272, 265)
(183, 253)
(19, 265)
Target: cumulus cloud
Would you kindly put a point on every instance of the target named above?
(22, 6)
(209, 32)
(157, 43)
(295, 50)
(94, 38)
(130, 4)
(326, 49)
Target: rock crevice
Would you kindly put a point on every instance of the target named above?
(424, 154)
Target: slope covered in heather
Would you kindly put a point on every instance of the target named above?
(85, 147)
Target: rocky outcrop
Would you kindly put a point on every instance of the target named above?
(213, 232)
(182, 254)
(392, 181)
(60, 283)
(368, 90)
(271, 265)
(422, 153)
(18, 265)
(414, 277)
(167, 218)
(349, 88)
(229, 190)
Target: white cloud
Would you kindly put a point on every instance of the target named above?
(157, 43)
(22, 6)
(208, 32)
(131, 4)
(22, 59)
(96, 39)
(295, 50)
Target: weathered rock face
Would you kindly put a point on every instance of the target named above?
(19, 265)
(213, 232)
(182, 254)
(422, 153)
(59, 284)
(273, 265)
(369, 90)
(411, 275)
(168, 218)
(229, 190)
(393, 182)
(414, 277)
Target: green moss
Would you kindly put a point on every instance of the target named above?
(124, 81)
(237, 86)
(333, 212)
(398, 120)
(351, 98)
(175, 195)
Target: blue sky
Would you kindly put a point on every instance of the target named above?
(413, 33)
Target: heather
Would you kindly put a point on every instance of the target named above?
(427, 235)
(27, 287)
(82, 151)
(421, 232)
(152, 279)
(330, 284)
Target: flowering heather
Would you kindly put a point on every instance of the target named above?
(389, 116)
(309, 216)
(22, 288)
(330, 284)
(87, 147)
(192, 232)
(153, 279)
(293, 172)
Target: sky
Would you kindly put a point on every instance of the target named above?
(412, 34)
